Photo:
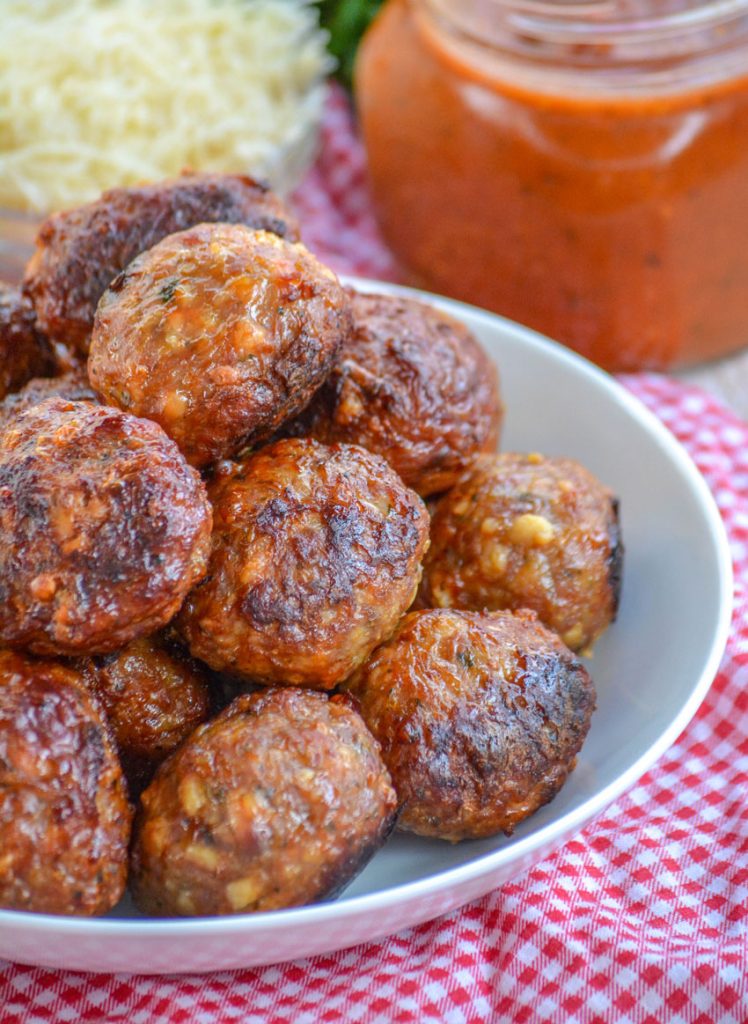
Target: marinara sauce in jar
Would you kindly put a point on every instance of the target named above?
(579, 167)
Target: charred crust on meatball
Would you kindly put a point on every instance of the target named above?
(80, 251)
(24, 351)
(103, 529)
(72, 387)
(615, 559)
(64, 814)
(413, 385)
(277, 802)
(521, 530)
(316, 554)
(154, 695)
(219, 334)
(480, 717)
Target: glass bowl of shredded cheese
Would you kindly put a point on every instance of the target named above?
(100, 93)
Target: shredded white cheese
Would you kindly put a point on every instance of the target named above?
(98, 93)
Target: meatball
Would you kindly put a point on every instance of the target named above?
(103, 529)
(79, 252)
(412, 385)
(523, 531)
(279, 801)
(316, 554)
(24, 353)
(64, 815)
(73, 387)
(220, 334)
(154, 696)
(480, 716)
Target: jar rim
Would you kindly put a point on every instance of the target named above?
(600, 43)
(619, 19)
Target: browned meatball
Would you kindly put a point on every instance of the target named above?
(24, 353)
(524, 531)
(73, 387)
(279, 801)
(412, 385)
(219, 334)
(316, 554)
(79, 252)
(480, 717)
(64, 815)
(103, 529)
(154, 696)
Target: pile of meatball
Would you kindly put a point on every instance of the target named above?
(237, 647)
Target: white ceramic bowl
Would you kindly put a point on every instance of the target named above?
(652, 669)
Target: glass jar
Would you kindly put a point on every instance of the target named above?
(581, 167)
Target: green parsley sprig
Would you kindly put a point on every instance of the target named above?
(346, 21)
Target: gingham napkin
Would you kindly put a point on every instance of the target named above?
(641, 919)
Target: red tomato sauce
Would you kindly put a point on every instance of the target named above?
(616, 223)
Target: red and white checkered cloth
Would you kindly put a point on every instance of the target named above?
(642, 919)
